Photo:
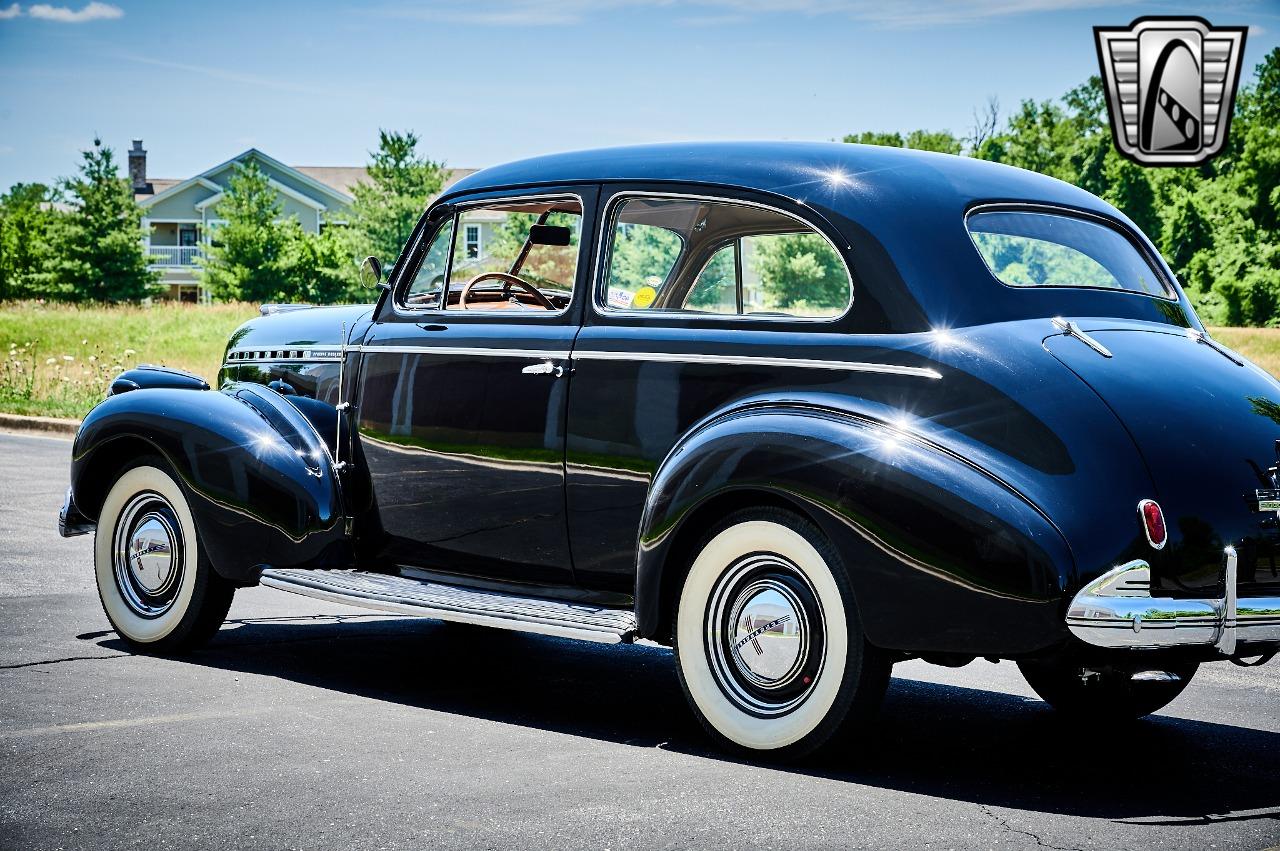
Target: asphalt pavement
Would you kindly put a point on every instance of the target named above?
(310, 725)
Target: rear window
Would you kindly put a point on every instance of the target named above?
(1033, 249)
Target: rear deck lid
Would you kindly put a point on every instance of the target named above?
(1206, 423)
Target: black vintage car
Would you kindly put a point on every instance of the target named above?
(799, 410)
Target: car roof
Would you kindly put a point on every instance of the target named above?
(900, 214)
(842, 177)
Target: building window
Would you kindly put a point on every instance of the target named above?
(471, 239)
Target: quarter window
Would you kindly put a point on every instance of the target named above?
(1033, 249)
(721, 258)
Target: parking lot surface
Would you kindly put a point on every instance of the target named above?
(311, 725)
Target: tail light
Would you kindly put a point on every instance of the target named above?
(1153, 523)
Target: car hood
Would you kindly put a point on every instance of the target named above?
(306, 327)
(1206, 422)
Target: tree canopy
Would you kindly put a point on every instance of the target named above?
(401, 183)
(1217, 225)
(96, 247)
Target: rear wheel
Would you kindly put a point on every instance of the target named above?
(157, 588)
(1108, 694)
(769, 648)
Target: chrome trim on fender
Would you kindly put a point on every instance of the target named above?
(289, 354)
(1071, 329)
(759, 360)
(1116, 610)
(1202, 337)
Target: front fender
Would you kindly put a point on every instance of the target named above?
(942, 556)
(260, 480)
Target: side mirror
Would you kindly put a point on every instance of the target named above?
(370, 273)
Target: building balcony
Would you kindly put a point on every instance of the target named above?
(173, 255)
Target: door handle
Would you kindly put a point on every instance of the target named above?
(544, 368)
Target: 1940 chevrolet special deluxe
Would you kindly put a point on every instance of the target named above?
(799, 410)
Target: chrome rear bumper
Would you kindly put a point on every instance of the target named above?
(1117, 610)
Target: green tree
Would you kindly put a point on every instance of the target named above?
(401, 184)
(318, 267)
(27, 218)
(942, 141)
(800, 270)
(248, 256)
(98, 245)
(870, 137)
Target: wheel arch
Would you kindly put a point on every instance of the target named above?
(942, 556)
(258, 478)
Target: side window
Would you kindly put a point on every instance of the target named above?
(427, 284)
(641, 259)
(515, 255)
(721, 258)
(510, 255)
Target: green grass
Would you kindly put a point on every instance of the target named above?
(59, 359)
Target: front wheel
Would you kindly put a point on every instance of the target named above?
(768, 644)
(157, 588)
(1108, 695)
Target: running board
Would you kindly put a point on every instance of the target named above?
(406, 596)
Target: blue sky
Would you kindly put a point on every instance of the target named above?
(483, 82)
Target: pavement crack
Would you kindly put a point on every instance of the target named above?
(1008, 828)
(63, 659)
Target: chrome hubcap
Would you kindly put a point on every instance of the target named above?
(765, 635)
(151, 554)
(147, 555)
(769, 633)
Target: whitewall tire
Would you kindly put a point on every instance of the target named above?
(768, 643)
(156, 587)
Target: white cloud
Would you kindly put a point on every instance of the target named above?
(11, 12)
(901, 14)
(66, 15)
(228, 75)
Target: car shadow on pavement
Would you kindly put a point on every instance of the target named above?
(984, 747)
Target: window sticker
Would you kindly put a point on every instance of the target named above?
(644, 297)
(619, 298)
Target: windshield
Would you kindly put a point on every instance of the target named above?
(1033, 249)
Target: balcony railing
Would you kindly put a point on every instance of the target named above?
(173, 255)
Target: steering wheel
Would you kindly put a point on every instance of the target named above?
(509, 279)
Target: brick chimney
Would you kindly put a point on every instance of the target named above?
(138, 168)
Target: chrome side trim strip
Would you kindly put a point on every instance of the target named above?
(478, 351)
(661, 357)
(759, 360)
(1117, 610)
(409, 596)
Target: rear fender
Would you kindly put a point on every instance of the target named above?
(260, 479)
(941, 555)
